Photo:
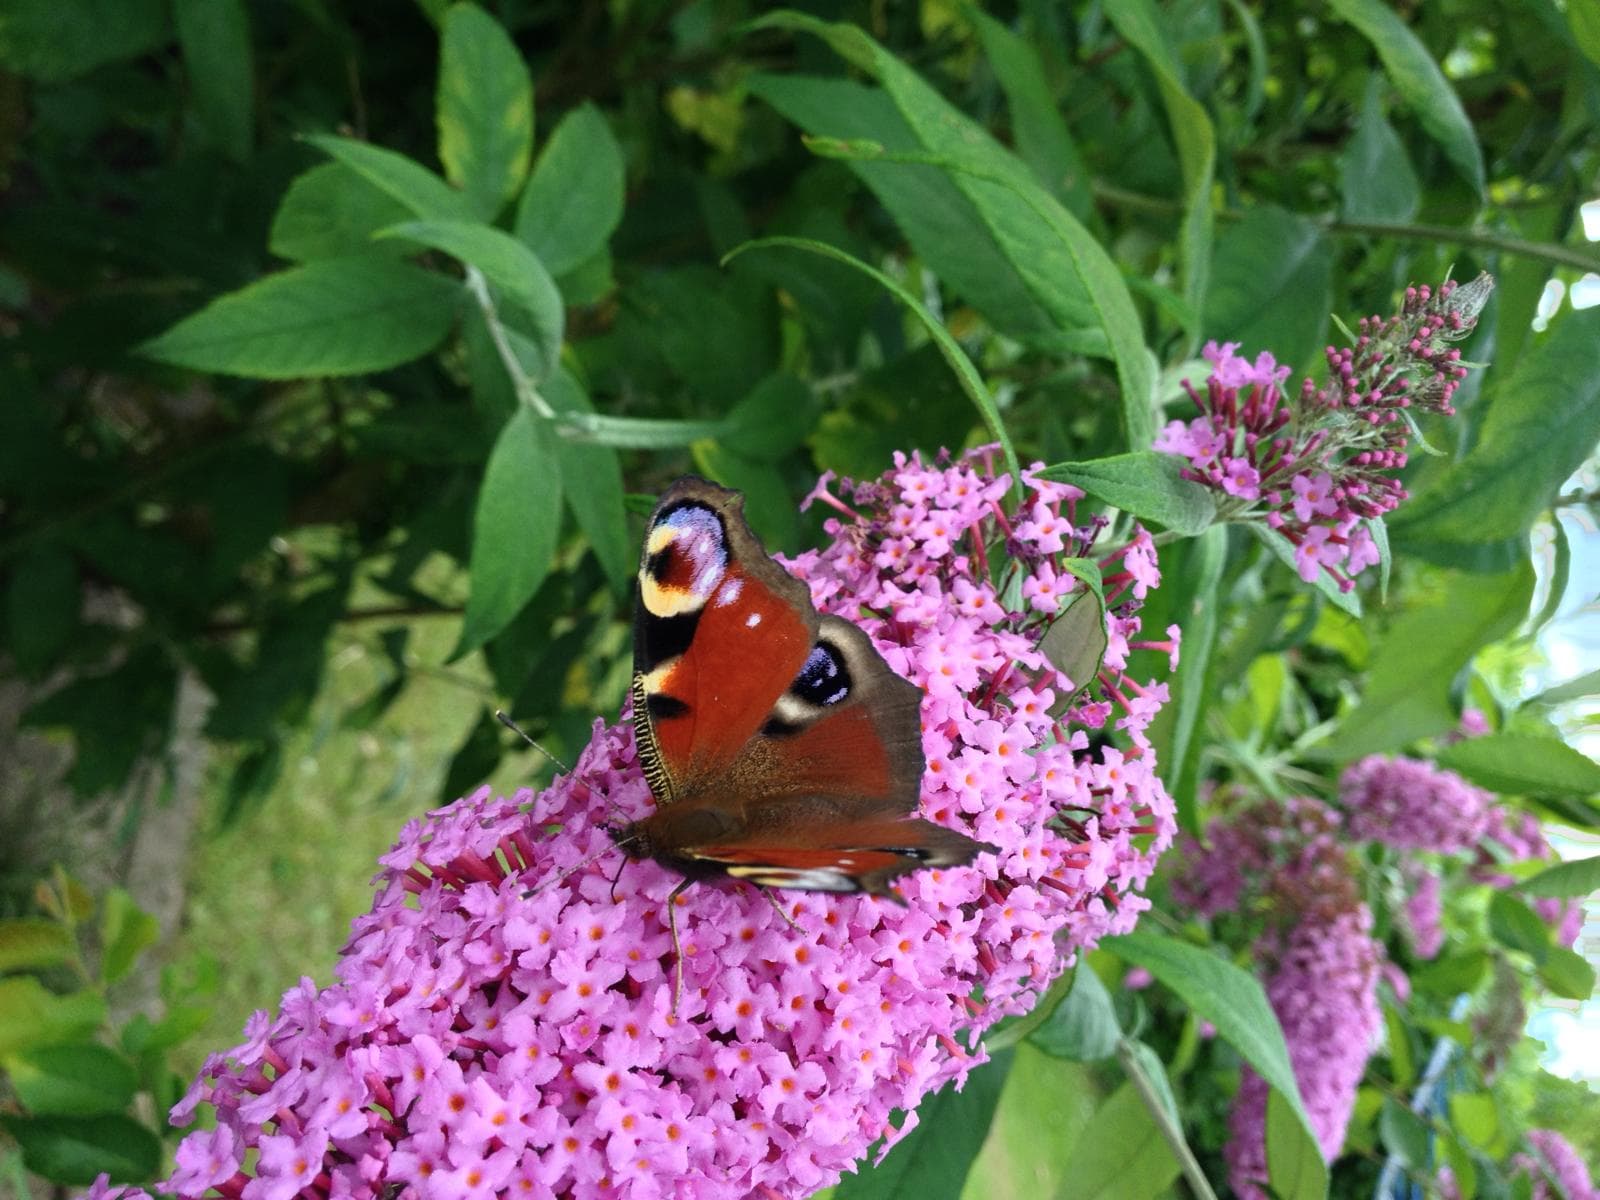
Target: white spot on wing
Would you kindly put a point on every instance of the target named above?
(752, 620)
(729, 592)
(814, 879)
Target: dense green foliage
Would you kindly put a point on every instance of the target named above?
(322, 321)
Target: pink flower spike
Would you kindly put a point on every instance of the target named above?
(483, 1043)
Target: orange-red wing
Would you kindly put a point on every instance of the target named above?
(720, 633)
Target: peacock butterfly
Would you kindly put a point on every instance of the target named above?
(781, 749)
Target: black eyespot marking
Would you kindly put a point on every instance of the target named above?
(824, 679)
(659, 565)
(777, 727)
(664, 707)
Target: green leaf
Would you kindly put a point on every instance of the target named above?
(1418, 78)
(1583, 18)
(1295, 1166)
(1035, 271)
(971, 382)
(54, 42)
(1120, 1155)
(34, 943)
(574, 197)
(1271, 285)
(1567, 974)
(1146, 484)
(1219, 992)
(773, 419)
(1414, 665)
(31, 1016)
(1452, 974)
(74, 1150)
(1075, 644)
(1198, 572)
(343, 316)
(1523, 764)
(1540, 425)
(126, 931)
(1475, 1117)
(1380, 538)
(419, 190)
(591, 481)
(331, 211)
(508, 264)
(1402, 1060)
(716, 330)
(1578, 878)
(1376, 179)
(930, 1162)
(485, 109)
(71, 1080)
(42, 606)
(1043, 139)
(1517, 927)
(1405, 1134)
(1084, 1026)
(1580, 688)
(1140, 24)
(1045, 1105)
(1555, 586)
(515, 528)
(215, 37)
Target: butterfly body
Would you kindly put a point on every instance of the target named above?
(780, 747)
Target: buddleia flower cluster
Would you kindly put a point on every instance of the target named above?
(482, 1044)
(1288, 867)
(1316, 463)
(1552, 1166)
(1289, 860)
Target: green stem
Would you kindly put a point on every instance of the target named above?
(1164, 1122)
(520, 383)
(1565, 256)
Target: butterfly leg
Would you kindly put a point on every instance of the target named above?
(677, 947)
(778, 908)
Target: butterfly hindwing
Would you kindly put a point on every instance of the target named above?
(859, 857)
(847, 727)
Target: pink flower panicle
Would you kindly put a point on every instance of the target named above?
(1315, 463)
(1288, 863)
(1413, 805)
(1553, 1159)
(1423, 913)
(1322, 978)
(1289, 860)
(479, 1044)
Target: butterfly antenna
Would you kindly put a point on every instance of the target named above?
(546, 885)
(530, 893)
(501, 716)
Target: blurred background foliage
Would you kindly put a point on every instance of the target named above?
(262, 578)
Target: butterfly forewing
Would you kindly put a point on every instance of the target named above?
(721, 631)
